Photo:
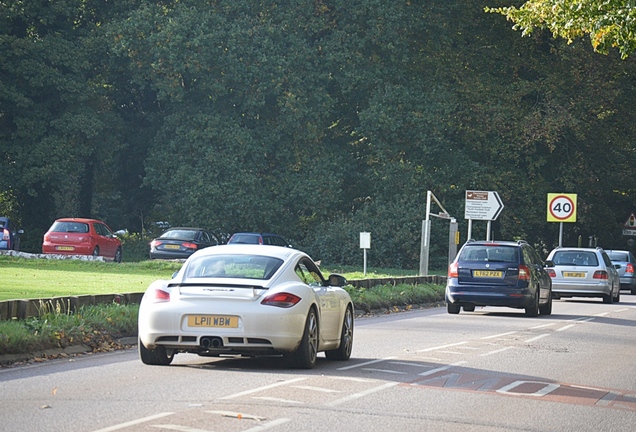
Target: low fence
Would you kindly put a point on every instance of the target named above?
(23, 309)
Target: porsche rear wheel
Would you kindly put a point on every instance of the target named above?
(343, 352)
(159, 356)
(306, 354)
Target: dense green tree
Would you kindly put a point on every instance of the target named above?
(608, 23)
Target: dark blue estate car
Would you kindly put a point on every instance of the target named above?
(499, 273)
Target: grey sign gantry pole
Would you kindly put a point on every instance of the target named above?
(426, 230)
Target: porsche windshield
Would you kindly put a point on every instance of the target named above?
(233, 266)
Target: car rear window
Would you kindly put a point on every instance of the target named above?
(575, 258)
(245, 239)
(69, 227)
(490, 253)
(233, 266)
(618, 256)
(179, 234)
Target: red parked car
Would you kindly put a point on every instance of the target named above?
(77, 236)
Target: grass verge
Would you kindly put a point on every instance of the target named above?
(99, 327)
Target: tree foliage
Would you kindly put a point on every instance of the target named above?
(608, 23)
(313, 119)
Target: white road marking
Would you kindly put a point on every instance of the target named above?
(134, 422)
(268, 425)
(179, 428)
(537, 337)
(385, 371)
(441, 347)
(362, 394)
(258, 389)
(273, 399)
(366, 363)
(541, 326)
(318, 389)
(495, 351)
(362, 380)
(237, 415)
(621, 310)
(443, 368)
(499, 335)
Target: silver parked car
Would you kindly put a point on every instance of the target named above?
(584, 272)
(627, 264)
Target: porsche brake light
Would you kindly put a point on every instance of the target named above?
(629, 268)
(524, 272)
(452, 270)
(600, 274)
(284, 300)
(160, 296)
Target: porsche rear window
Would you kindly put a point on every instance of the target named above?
(233, 266)
(69, 227)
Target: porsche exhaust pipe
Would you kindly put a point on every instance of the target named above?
(211, 342)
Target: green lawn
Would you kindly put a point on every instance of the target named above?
(22, 278)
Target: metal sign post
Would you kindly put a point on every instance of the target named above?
(365, 243)
(561, 208)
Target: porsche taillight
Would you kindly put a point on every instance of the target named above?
(284, 300)
(524, 272)
(452, 270)
(159, 296)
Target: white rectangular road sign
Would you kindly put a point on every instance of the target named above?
(482, 205)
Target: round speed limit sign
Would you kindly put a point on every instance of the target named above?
(561, 207)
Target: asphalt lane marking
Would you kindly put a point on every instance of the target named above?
(541, 326)
(441, 347)
(259, 389)
(237, 415)
(318, 389)
(273, 399)
(537, 337)
(134, 422)
(496, 351)
(179, 428)
(268, 425)
(362, 394)
(499, 335)
(385, 371)
(366, 363)
(443, 368)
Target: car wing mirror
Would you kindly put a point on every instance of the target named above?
(337, 280)
(549, 263)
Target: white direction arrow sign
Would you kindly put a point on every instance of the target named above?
(482, 205)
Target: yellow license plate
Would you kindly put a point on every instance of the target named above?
(65, 248)
(171, 247)
(487, 273)
(574, 274)
(212, 321)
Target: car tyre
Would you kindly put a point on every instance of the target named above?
(469, 308)
(633, 292)
(617, 299)
(343, 352)
(452, 308)
(533, 310)
(608, 298)
(118, 255)
(306, 355)
(96, 251)
(159, 356)
(546, 309)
